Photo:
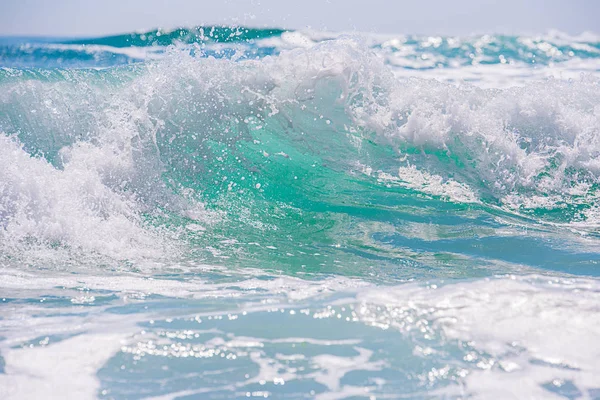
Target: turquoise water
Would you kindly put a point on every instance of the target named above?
(241, 213)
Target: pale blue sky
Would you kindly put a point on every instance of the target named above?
(98, 17)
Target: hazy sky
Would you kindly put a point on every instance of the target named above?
(97, 17)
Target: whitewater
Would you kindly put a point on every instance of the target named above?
(228, 212)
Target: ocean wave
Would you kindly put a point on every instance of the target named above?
(177, 144)
(299, 214)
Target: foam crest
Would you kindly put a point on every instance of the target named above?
(72, 207)
(538, 140)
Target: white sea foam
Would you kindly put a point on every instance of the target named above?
(527, 325)
(71, 206)
(503, 337)
(37, 374)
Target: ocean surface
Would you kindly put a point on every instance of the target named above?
(226, 212)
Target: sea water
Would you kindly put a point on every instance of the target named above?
(225, 212)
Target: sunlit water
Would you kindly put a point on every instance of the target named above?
(238, 213)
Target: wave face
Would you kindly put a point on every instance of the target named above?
(160, 182)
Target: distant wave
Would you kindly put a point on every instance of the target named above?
(200, 34)
(402, 52)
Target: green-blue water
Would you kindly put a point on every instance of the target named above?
(227, 212)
